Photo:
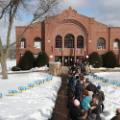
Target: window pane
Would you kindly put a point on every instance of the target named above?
(58, 42)
(101, 44)
(80, 42)
(37, 44)
(69, 41)
(115, 44)
(23, 43)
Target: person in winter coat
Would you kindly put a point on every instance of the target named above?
(72, 82)
(75, 111)
(117, 116)
(79, 88)
(71, 97)
(100, 94)
(90, 86)
(73, 68)
(85, 103)
(94, 113)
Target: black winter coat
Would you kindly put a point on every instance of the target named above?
(79, 91)
(75, 112)
(91, 87)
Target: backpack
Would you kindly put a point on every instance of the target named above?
(100, 95)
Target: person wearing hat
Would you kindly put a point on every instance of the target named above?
(98, 87)
(94, 112)
(90, 86)
(100, 94)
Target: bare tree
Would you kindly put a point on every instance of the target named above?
(10, 9)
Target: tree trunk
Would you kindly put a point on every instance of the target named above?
(4, 68)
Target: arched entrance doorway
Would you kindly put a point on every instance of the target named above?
(69, 42)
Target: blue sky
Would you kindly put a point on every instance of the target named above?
(105, 11)
(85, 11)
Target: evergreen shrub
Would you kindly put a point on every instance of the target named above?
(109, 59)
(95, 60)
(27, 61)
(42, 59)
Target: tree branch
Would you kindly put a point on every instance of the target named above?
(4, 10)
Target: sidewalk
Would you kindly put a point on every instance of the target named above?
(61, 111)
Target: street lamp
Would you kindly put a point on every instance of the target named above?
(86, 59)
(87, 56)
(87, 64)
(51, 56)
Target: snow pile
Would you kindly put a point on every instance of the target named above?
(35, 103)
(112, 92)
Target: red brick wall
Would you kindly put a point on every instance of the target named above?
(30, 34)
(67, 22)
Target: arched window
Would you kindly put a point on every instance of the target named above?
(69, 41)
(101, 43)
(80, 42)
(23, 43)
(38, 43)
(58, 41)
(116, 44)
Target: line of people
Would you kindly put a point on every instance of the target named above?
(85, 100)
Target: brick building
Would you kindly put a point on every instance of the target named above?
(68, 36)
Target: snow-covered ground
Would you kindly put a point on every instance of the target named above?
(112, 92)
(28, 96)
(15, 81)
(110, 77)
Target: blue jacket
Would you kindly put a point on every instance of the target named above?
(85, 103)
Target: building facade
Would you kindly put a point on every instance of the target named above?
(68, 37)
